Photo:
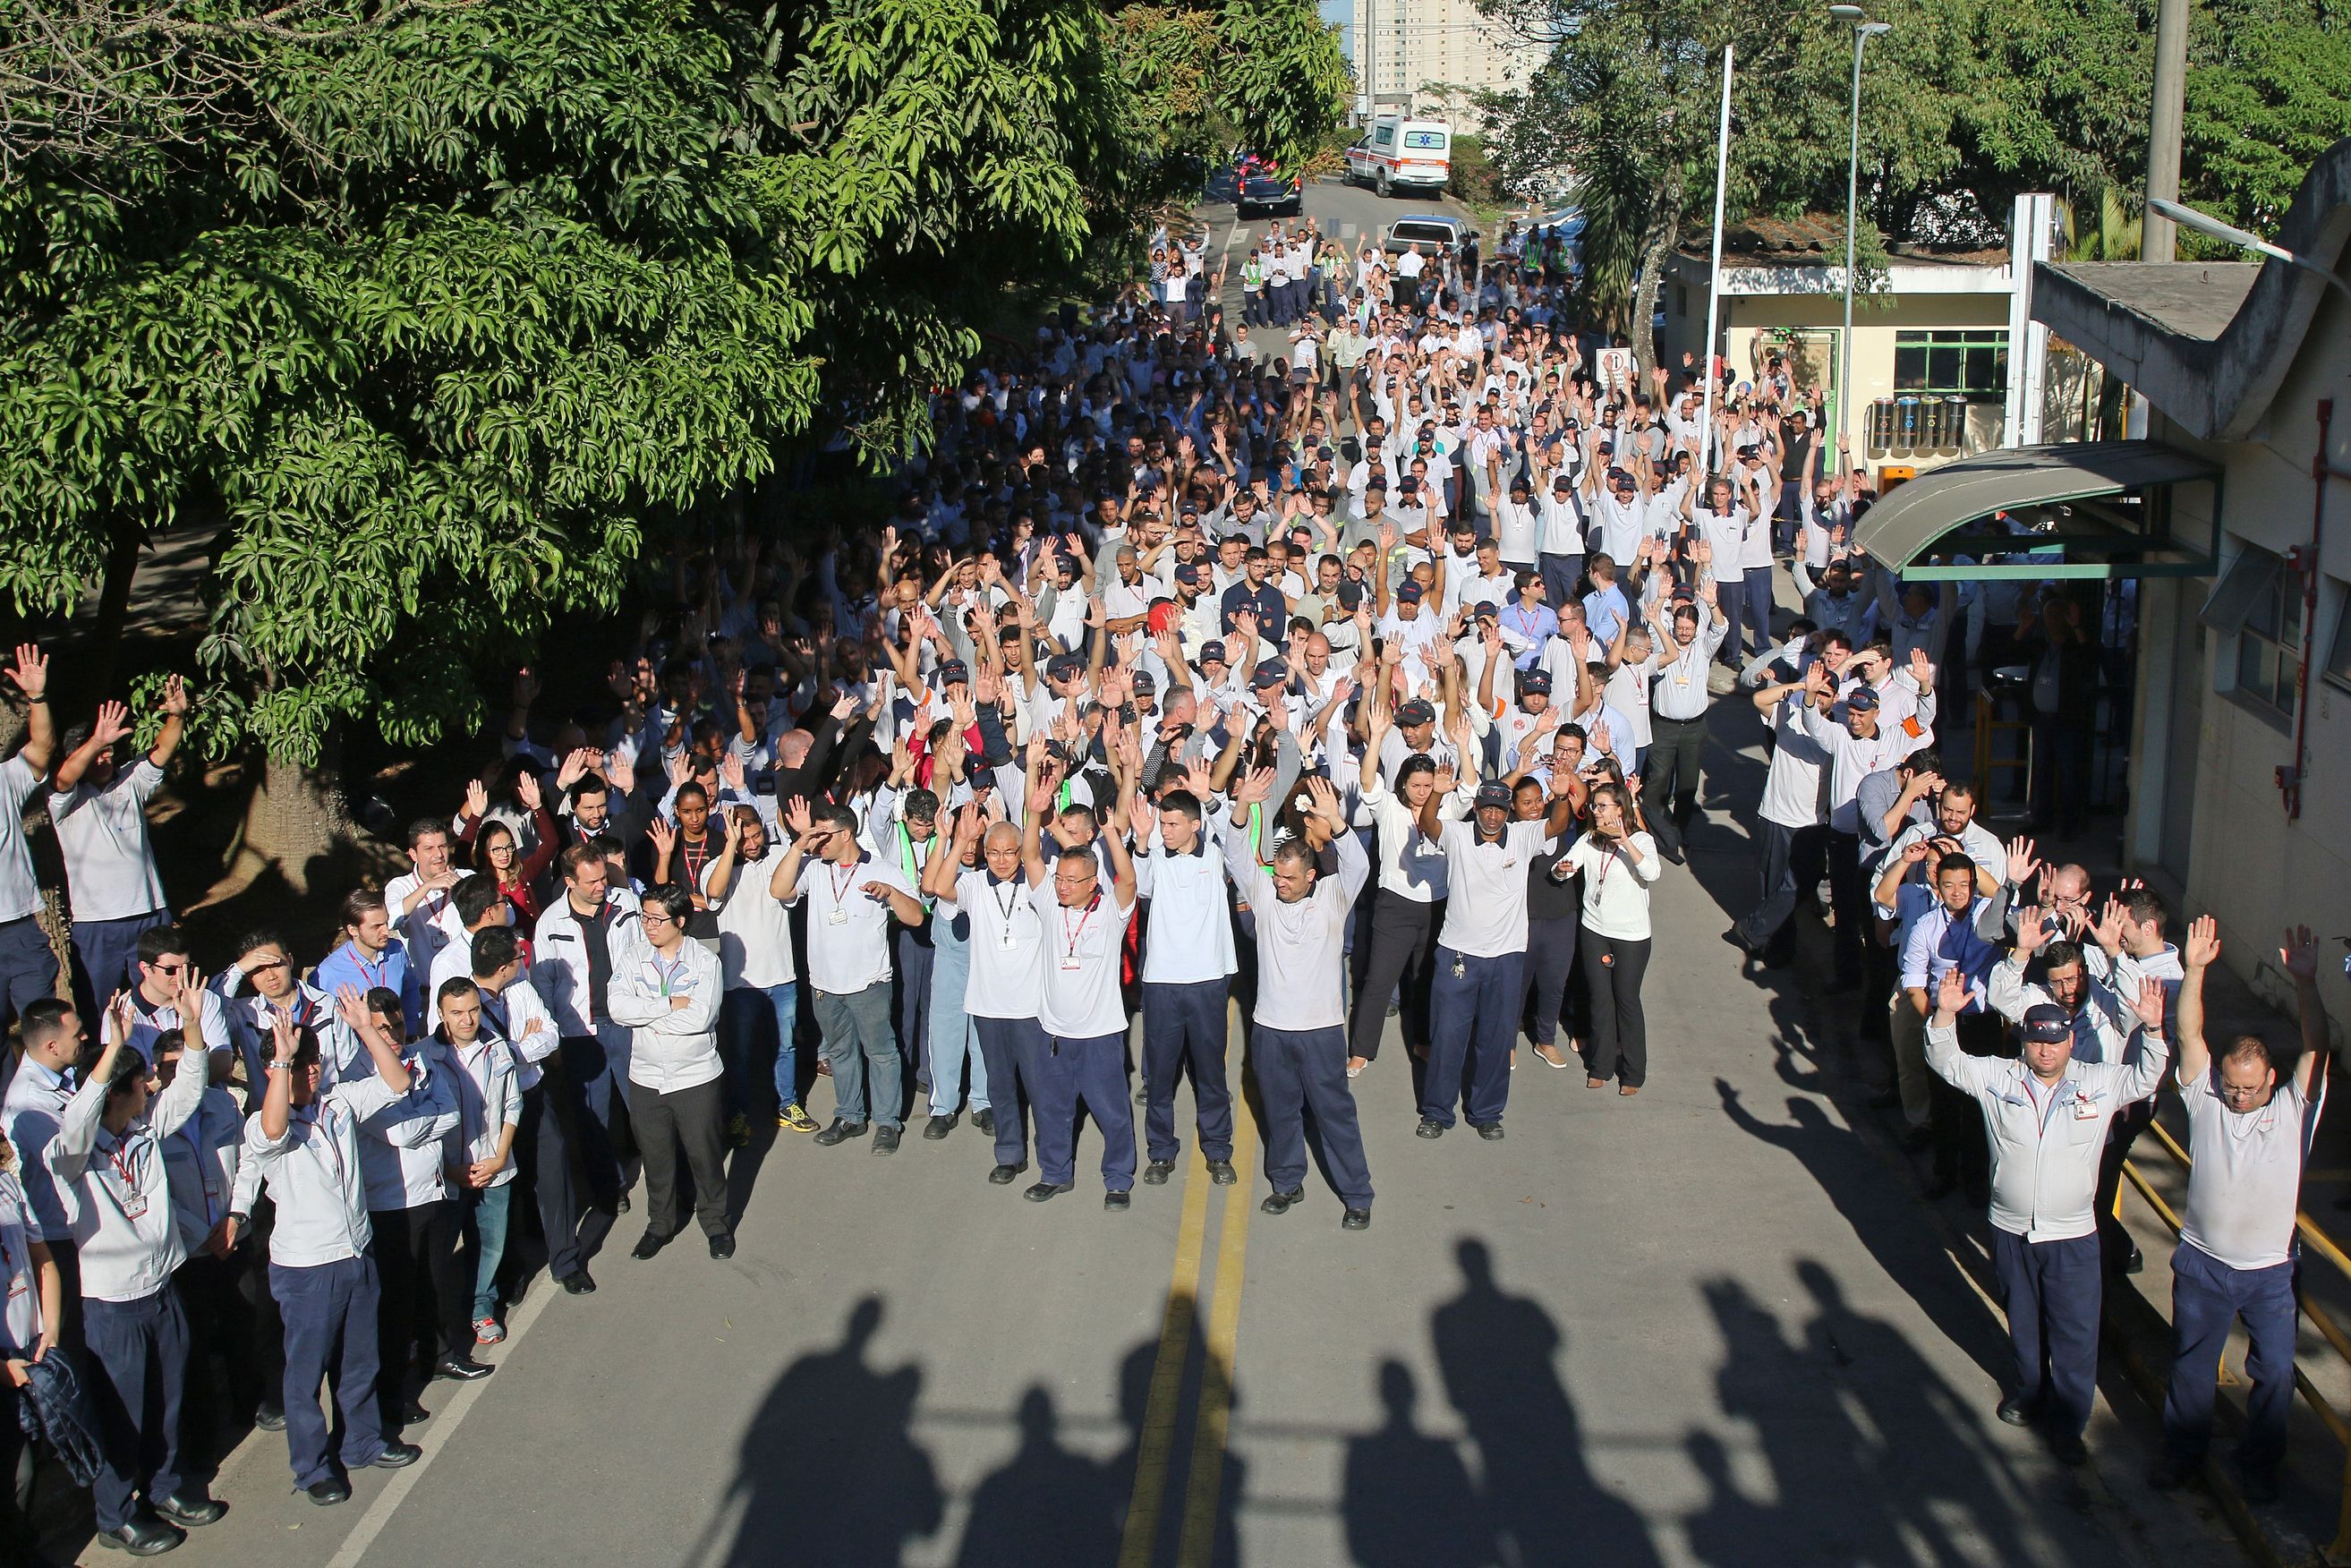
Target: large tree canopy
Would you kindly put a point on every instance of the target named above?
(443, 314)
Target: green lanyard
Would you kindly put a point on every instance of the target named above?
(1256, 830)
(906, 859)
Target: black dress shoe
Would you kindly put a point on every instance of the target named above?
(1117, 1201)
(189, 1510)
(1046, 1191)
(270, 1418)
(650, 1243)
(985, 1120)
(938, 1127)
(621, 1204)
(1156, 1172)
(1142, 1093)
(1279, 1202)
(885, 1140)
(577, 1284)
(2068, 1447)
(1672, 852)
(1490, 1131)
(2136, 1263)
(329, 1493)
(1736, 940)
(463, 1369)
(142, 1536)
(1222, 1172)
(1003, 1176)
(722, 1247)
(1429, 1128)
(838, 1131)
(397, 1456)
(1355, 1220)
(415, 1415)
(2017, 1411)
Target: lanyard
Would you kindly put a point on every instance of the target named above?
(841, 881)
(1006, 895)
(372, 973)
(907, 853)
(126, 1171)
(666, 971)
(1071, 937)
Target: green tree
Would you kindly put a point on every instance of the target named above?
(440, 319)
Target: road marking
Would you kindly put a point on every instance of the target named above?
(1204, 1489)
(380, 1511)
(1156, 1443)
(1233, 239)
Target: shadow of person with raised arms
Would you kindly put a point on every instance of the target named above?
(830, 1462)
(1499, 1358)
(1408, 1500)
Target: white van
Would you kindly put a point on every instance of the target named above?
(1397, 153)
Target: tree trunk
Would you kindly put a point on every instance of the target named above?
(298, 824)
(1656, 246)
(113, 609)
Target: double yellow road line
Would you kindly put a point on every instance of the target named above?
(1164, 1412)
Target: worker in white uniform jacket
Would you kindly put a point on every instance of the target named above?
(667, 991)
(2046, 1115)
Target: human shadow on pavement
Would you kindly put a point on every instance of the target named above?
(1045, 1504)
(830, 1462)
(1499, 1355)
(1883, 1216)
(1408, 1500)
(1871, 1457)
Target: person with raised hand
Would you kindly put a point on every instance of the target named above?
(2249, 1134)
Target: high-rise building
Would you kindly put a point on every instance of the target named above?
(1441, 52)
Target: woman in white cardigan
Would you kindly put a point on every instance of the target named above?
(1618, 861)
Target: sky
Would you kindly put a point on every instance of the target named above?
(1341, 14)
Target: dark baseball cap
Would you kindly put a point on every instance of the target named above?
(1863, 701)
(1493, 792)
(2046, 1023)
(953, 670)
(1212, 652)
(1535, 681)
(1188, 574)
(1409, 591)
(1417, 710)
(1272, 673)
(1065, 667)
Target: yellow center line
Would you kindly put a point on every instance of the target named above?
(1156, 1442)
(1204, 1495)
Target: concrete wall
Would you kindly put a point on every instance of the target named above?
(2214, 756)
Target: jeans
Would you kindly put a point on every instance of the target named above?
(485, 1233)
(329, 1311)
(28, 968)
(1560, 574)
(689, 1117)
(954, 1041)
(745, 1017)
(857, 1025)
(1550, 960)
(1619, 1045)
(1473, 1022)
(1181, 1022)
(1303, 1073)
(141, 1348)
(2206, 1296)
(2052, 1290)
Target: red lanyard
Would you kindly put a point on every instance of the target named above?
(373, 974)
(125, 1168)
(1071, 937)
(841, 881)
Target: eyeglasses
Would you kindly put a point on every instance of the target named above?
(652, 916)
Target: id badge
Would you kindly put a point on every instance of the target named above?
(134, 1205)
(838, 917)
(1006, 941)
(1071, 963)
(2084, 1109)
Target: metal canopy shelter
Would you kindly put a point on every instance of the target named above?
(2073, 482)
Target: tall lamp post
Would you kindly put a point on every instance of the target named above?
(1862, 31)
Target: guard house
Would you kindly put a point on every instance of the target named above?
(2224, 537)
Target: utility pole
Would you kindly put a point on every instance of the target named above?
(2159, 235)
(1368, 27)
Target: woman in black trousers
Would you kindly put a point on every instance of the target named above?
(1619, 862)
(1552, 898)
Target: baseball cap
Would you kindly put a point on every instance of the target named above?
(1493, 792)
(1065, 667)
(1212, 652)
(1417, 711)
(953, 670)
(1408, 591)
(1145, 681)
(2046, 1023)
(1188, 573)
(1863, 701)
(1270, 674)
(1535, 681)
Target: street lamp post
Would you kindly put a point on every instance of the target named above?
(2189, 218)
(1862, 31)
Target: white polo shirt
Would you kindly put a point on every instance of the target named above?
(313, 1173)
(848, 932)
(2246, 1179)
(1082, 998)
(1008, 945)
(103, 833)
(755, 934)
(1301, 946)
(20, 895)
(1486, 914)
(1190, 937)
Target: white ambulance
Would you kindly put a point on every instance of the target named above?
(1401, 154)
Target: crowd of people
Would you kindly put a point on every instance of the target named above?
(1348, 665)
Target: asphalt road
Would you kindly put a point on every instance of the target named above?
(1715, 1324)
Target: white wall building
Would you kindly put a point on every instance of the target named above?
(1441, 52)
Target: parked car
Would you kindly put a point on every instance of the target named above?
(1265, 190)
(1430, 229)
